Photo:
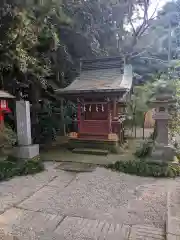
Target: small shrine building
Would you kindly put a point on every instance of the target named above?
(101, 93)
(4, 98)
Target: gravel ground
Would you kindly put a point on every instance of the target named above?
(105, 195)
(50, 198)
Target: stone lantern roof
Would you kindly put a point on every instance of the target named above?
(5, 95)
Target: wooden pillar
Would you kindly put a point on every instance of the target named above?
(122, 133)
(109, 118)
(79, 116)
(114, 108)
(1, 120)
(62, 118)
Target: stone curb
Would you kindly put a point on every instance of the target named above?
(168, 237)
(172, 227)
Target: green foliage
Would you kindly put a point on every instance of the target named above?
(146, 169)
(30, 46)
(160, 46)
(139, 105)
(50, 120)
(47, 38)
(18, 43)
(174, 124)
(144, 149)
(166, 83)
(41, 44)
(7, 138)
(17, 167)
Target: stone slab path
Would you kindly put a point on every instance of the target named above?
(87, 206)
(173, 212)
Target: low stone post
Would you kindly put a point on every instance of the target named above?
(25, 148)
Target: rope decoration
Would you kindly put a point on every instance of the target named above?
(100, 108)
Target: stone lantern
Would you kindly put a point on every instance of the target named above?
(162, 103)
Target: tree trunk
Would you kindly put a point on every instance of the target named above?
(62, 118)
(144, 117)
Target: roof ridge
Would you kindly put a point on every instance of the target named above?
(101, 63)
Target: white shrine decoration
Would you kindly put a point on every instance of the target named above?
(3, 104)
(102, 108)
(122, 118)
(97, 108)
(90, 108)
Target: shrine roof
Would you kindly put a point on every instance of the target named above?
(99, 76)
(5, 95)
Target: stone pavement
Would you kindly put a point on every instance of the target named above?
(86, 206)
(173, 212)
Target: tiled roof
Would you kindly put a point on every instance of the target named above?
(99, 80)
(101, 75)
(5, 95)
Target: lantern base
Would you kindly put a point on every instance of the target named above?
(26, 152)
(163, 152)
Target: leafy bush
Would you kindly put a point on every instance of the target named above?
(144, 148)
(50, 121)
(146, 169)
(14, 167)
(48, 129)
(7, 138)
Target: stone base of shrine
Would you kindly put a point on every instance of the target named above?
(26, 152)
(110, 145)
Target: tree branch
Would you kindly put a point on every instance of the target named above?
(129, 18)
(146, 21)
(145, 18)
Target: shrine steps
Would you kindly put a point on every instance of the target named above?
(91, 151)
(99, 144)
(92, 136)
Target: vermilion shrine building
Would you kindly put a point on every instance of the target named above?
(101, 93)
(4, 97)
